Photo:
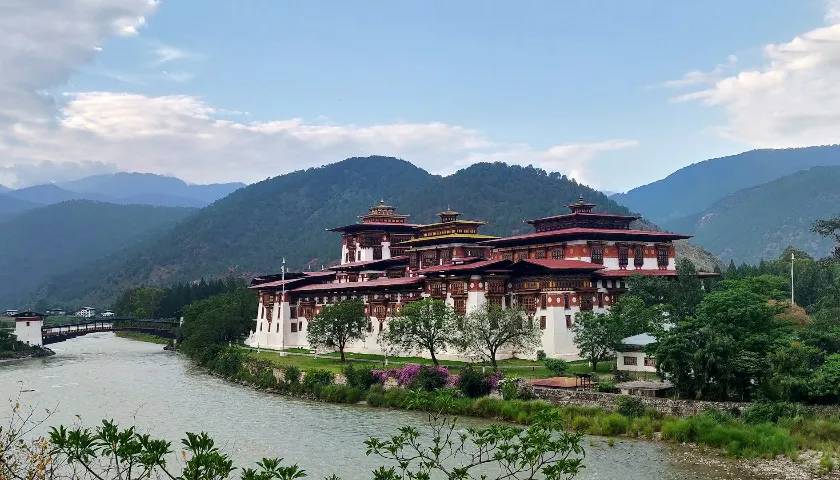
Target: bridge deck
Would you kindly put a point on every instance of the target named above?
(166, 328)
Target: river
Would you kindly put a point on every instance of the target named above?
(102, 376)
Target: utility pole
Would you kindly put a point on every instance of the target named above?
(792, 258)
(282, 310)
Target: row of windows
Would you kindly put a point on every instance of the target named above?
(633, 361)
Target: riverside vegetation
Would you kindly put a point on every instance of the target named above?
(736, 338)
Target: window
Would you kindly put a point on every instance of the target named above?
(662, 256)
(650, 362)
(507, 256)
(543, 301)
(27, 324)
(630, 360)
(277, 328)
(369, 326)
(600, 300)
(300, 326)
(597, 254)
(461, 306)
(566, 301)
(529, 303)
(623, 259)
(294, 327)
(495, 301)
(377, 253)
(558, 253)
(542, 322)
(568, 322)
(638, 256)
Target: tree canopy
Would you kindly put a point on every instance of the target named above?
(338, 324)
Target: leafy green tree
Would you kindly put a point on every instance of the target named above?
(825, 383)
(687, 292)
(426, 325)
(722, 351)
(596, 336)
(491, 329)
(543, 450)
(217, 320)
(338, 324)
(830, 228)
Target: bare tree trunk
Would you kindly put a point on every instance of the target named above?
(434, 358)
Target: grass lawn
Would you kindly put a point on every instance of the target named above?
(331, 361)
(142, 337)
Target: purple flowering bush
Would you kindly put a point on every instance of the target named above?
(413, 375)
(431, 378)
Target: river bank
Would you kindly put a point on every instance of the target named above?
(765, 449)
(136, 383)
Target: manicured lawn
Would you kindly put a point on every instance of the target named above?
(331, 361)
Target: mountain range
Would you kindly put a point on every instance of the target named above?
(250, 230)
(119, 188)
(55, 239)
(760, 222)
(692, 189)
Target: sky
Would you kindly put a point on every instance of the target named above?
(615, 94)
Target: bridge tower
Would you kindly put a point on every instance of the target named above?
(28, 328)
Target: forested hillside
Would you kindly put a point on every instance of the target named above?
(697, 187)
(760, 222)
(252, 229)
(66, 236)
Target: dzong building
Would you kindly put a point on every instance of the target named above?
(571, 262)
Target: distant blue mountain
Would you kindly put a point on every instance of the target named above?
(695, 188)
(152, 189)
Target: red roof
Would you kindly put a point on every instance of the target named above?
(582, 214)
(552, 264)
(379, 282)
(289, 281)
(366, 263)
(375, 226)
(648, 272)
(590, 232)
(461, 267)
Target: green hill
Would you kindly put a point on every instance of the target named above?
(251, 230)
(45, 241)
(692, 189)
(760, 222)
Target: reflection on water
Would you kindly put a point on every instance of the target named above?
(102, 376)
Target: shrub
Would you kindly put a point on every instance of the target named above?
(642, 427)
(556, 365)
(430, 378)
(396, 397)
(515, 389)
(606, 386)
(361, 378)
(621, 376)
(376, 396)
(612, 424)
(473, 383)
(291, 375)
(264, 378)
(770, 412)
(581, 423)
(540, 355)
(316, 378)
(339, 394)
(630, 406)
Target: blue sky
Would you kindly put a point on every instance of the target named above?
(597, 90)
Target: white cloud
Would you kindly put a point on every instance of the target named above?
(42, 45)
(696, 78)
(184, 136)
(793, 100)
(48, 139)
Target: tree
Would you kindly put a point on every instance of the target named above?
(722, 351)
(687, 291)
(486, 331)
(424, 325)
(337, 324)
(830, 228)
(595, 337)
(217, 320)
